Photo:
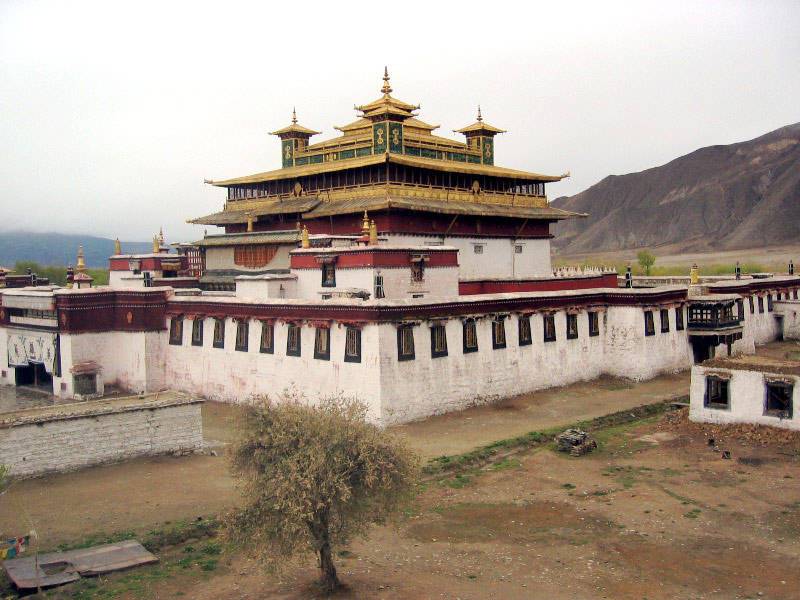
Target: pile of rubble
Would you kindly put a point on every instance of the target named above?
(576, 442)
(748, 434)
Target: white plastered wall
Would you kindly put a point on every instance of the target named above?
(437, 282)
(747, 399)
(229, 375)
(498, 259)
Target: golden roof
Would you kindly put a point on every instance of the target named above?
(265, 207)
(294, 128)
(387, 102)
(375, 159)
(479, 125)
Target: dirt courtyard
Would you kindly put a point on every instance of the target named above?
(654, 513)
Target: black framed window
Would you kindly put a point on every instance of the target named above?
(740, 308)
(649, 324)
(197, 331)
(778, 402)
(594, 324)
(470, 336)
(572, 327)
(322, 343)
(176, 331)
(752, 304)
(524, 330)
(418, 271)
(761, 304)
(293, 340)
(267, 345)
(549, 328)
(328, 275)
(219, 333)
(770, 303)
(242, 336)
(679, 318)
(438, 341)
(717, 393)
(405, 342)
(664, 316)
(352, 345)
(380, 292)
(498, 333)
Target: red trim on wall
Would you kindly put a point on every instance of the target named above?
(494, 286)
(374, 257)
(389, 313)
(411, 222)
(112, 310)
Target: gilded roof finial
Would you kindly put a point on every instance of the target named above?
(365, 225)
(80, 265)
(294, 116)
(480, 118)
(373, 233)
(117, 246)
(305, 242)
(386, 89)
(161, 235)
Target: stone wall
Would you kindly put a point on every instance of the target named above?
(72, 436)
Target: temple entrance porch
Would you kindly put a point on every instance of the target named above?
(34, 375)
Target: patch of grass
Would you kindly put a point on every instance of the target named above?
(506, 463)
(568, 486)
(693, 514)
(598, 426)
(459, 481)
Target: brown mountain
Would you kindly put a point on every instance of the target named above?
(743, 195)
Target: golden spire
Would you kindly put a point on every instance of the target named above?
(480, 118)
(161, 236)
(294, 116)
(117, 247)
(156, 245)
(386, 89)
(305, 242)
(249, 222)
(80, 266)
(365, 225)
(373, 234)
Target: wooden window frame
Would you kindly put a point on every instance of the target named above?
(524, 331)
(549, 328)
(467, 326)
(770, 303)
(353, 356)
(572, 327)
(663, 316)
(405, 331)
(241, 345)
(176, 331)
(774, 412)
(322, 351)
(594, 323)
(499, 325)
(296, 330)
(438, 334)
(197, 331)
(761, 305)
(270, 347)
(325, 269)
(218, 341)
(752, 304)
(710, 398)
(649, 324)
(680, 323)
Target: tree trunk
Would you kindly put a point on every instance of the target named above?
(328, 578)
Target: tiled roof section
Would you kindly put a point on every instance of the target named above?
(240, 239)
(400, 159)
(359, 205)
(270, 207)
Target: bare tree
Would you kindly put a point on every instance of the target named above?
(312, 478)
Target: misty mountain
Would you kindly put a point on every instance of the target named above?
(60, 249)
(742, 195)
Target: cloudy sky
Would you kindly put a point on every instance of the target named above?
(112, 113)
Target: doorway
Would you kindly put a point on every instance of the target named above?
(34, 375)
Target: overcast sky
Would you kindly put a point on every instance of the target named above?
(113, 113)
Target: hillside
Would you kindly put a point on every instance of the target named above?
(742, 195)
(59, 248)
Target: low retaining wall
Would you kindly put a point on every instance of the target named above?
(71, 436)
